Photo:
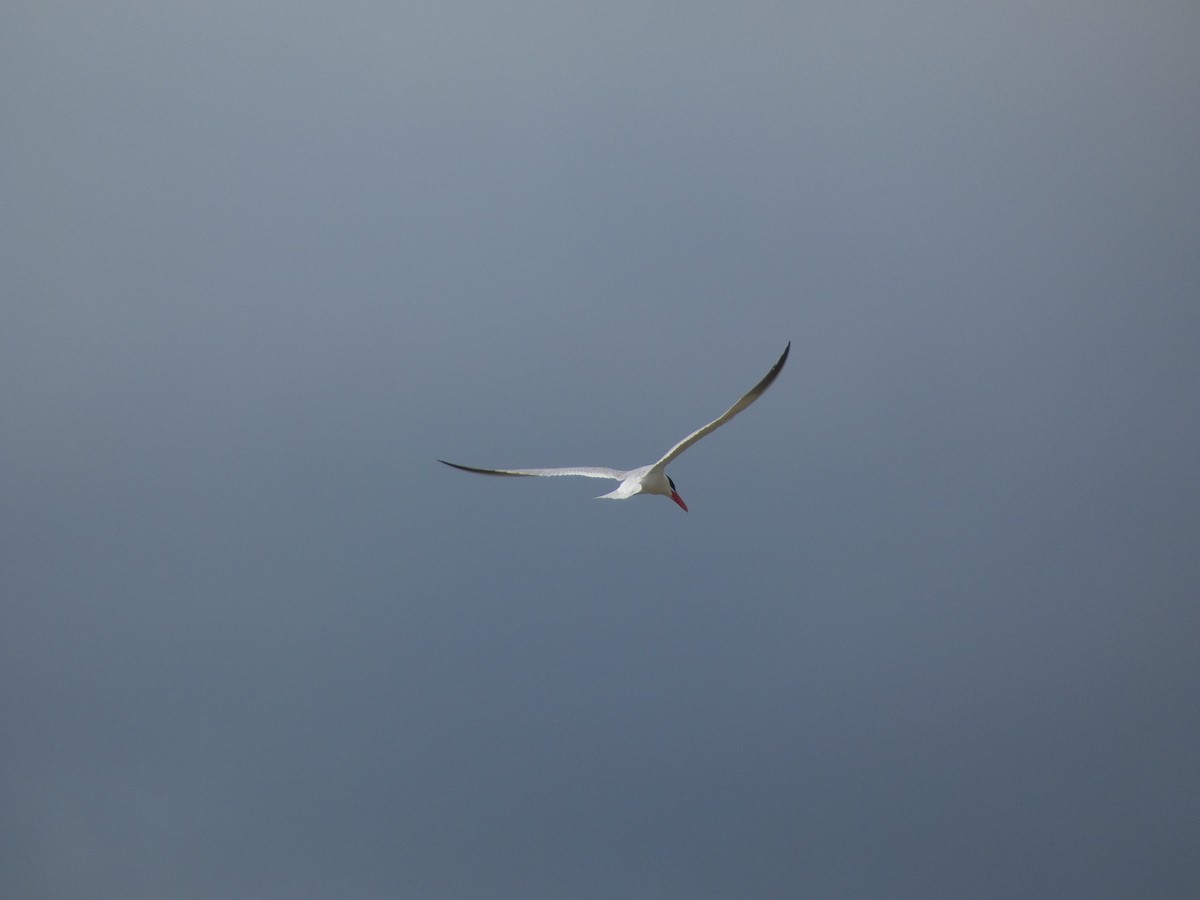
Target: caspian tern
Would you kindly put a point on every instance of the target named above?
(651, 479)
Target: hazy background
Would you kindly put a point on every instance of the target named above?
(931, 628)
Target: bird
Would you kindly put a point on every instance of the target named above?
(651, 479)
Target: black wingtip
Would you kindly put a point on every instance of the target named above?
(777, 368)
(463, 468)
(769, 378)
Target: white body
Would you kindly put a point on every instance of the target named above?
(646, 480)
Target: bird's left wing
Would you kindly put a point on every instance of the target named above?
(753, 394)
(585, 471)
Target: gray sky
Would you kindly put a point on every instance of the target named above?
(931, 627)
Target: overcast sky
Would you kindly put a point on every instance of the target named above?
(932, 625)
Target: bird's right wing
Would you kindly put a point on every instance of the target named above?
(753, 394)
(585, 471)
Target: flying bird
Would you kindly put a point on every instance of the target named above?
(651, 479)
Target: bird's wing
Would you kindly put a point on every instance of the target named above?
(585, 471)
(753, 394)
